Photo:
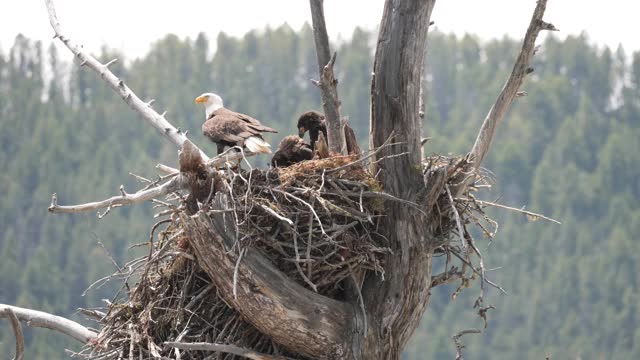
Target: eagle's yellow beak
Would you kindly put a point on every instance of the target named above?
(201, 99)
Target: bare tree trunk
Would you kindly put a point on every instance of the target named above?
(395, 305)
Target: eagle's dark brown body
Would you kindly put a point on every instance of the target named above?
(313, 122)
(292, 150)
(229, 128)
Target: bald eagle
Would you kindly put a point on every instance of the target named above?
(229, 128)
(292, 150)
(313, 122)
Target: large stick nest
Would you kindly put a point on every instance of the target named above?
(317, 221)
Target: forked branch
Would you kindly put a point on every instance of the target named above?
(511, 88)
(124, 198)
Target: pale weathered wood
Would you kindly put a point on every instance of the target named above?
(395, 305)
(124, 198)
(179, 182)
(17, 332)
(327, 82)
(511, 88)
(299, 319)
(45, 320)
(224, 348)
(158, 121)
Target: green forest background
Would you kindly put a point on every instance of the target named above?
(570, 150)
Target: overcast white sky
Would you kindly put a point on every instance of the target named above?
(132, 25)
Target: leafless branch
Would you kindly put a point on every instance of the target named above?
(148, 193)
(458, 342)
(230, 349)
(41, 319)
(327, 82)
(446, 277)
(510, 90)
(144, 109)
(530, 215)
(17, 331)
(170, 186)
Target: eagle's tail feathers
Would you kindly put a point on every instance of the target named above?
(257, 145)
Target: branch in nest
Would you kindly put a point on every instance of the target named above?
(511, 88)
(17, 331)
(365, 158)
(44, 320)
(154, 119)
(230, 349)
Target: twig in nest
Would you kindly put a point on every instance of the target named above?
(153, 229)
(235, 273)
(286, 194)
(457, 217)
(360, 298)
(272, 212)
(297, 262)
(231, 349)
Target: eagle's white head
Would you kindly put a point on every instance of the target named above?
(211, 101)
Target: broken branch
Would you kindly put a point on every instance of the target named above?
(510, 90)
(327, 81)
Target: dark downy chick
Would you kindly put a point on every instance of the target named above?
(314, 123)
(292, 150)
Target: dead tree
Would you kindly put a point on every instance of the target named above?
(374, 316)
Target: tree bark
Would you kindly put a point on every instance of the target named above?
(327, 82)
(510, 89)
(395, 305)
(303, 321)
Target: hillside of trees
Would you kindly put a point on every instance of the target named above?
(570, 150)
